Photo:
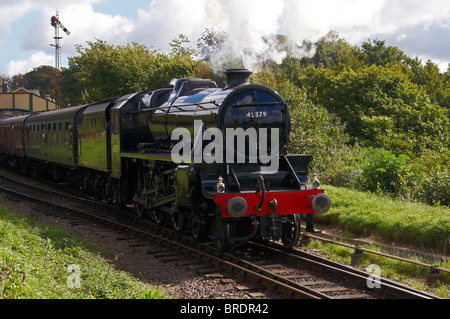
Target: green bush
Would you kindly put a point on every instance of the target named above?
(380, 171)
(425, 178)
(102, 70)
(428, 178)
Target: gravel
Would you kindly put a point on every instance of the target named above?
(175, 281)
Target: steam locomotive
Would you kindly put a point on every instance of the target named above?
(200, 158)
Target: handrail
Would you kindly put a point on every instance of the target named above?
(433, 268)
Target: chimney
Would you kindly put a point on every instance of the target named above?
(21, 81)
(237, 77)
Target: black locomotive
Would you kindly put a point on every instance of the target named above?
(204, 159)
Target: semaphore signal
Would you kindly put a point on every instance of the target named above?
(54, 21)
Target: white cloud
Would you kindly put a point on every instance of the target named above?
(405, 13)
(14, 10)
(312, 20)
(396, 16)
(24, 66)
(166, 19)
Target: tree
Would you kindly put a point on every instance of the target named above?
(380, 107)
(332, 51)
(42, 78)
(436, 84)
(376, 52)
(103, 70)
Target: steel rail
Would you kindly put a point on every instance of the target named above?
(386, 286)
(357, 249)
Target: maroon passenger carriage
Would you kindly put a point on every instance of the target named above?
(12, 133)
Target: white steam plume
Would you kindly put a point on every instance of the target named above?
(252, 26)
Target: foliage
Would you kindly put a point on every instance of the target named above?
(380, 171)
(424, 178)
(428, 178)
(377, 53)
(34, 261)
(102, 70)
(332, 51)
(394, 108)
(380, 106)
(42, 78)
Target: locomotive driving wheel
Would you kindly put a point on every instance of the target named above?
(140, 210)
(158, 188)
(291, 231)
(197, 225)
(157, 216)
(222, 243)
(178, 218)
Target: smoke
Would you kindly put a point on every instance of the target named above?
(254, 26)
(250, 26)
(251, 29)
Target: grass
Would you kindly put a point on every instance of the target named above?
(366, 214)
(44, 262)
(359, 214)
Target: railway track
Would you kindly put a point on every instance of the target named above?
(259, 269)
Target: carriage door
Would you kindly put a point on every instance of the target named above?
(44, 133)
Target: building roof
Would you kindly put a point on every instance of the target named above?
(23, 90)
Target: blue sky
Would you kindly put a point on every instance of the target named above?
(419, 28)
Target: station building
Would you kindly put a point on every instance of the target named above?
(22, 101)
